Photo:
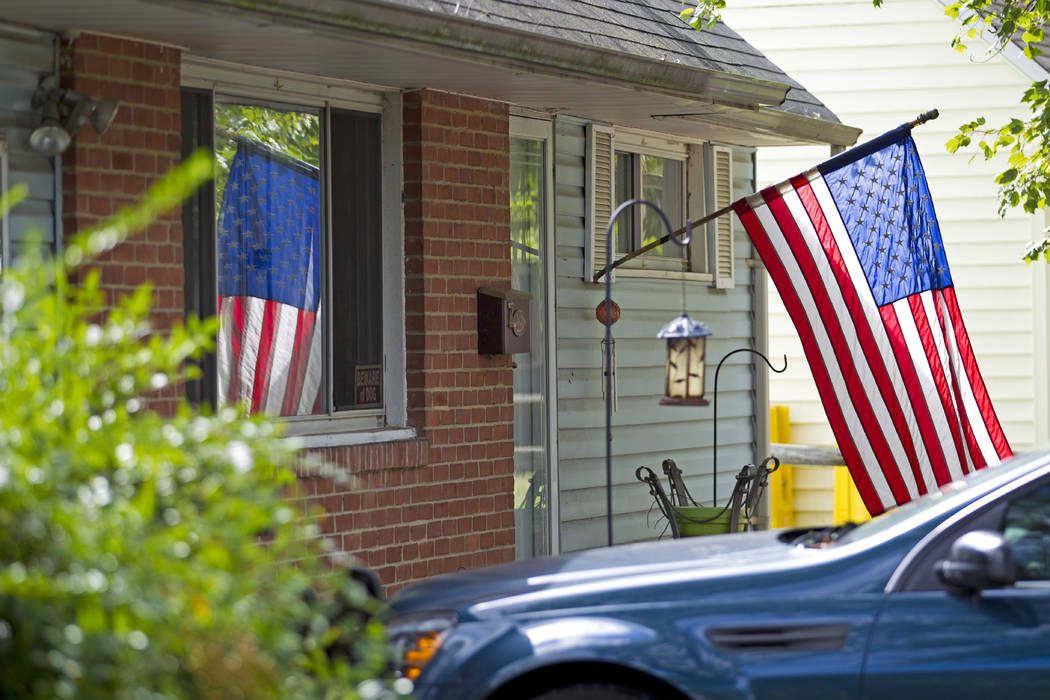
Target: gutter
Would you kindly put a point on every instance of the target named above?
(811, 128)
(775, 123)
(424, 32)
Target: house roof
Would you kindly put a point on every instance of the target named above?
(643, 28)
(628, 62)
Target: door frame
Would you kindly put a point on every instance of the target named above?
(542, 129)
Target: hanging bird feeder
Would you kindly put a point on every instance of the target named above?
(684, 365)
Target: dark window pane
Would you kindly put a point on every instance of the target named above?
(357, 261)
(1026, 526)
(198, 234)
(625, 189)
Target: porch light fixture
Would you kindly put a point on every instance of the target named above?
(64, 113)
(684, 366)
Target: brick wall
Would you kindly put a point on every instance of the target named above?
(103, 173)
(412, 509)
(444, 502)
(457, 238)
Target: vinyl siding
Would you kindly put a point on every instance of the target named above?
(644, 433)
(876, 68)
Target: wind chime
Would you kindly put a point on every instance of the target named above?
(608, 313)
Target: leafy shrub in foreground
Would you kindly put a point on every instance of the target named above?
(142, 556)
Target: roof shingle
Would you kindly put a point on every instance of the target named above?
(646, 28)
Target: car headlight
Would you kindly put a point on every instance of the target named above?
(417, 638)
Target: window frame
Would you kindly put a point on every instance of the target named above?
(696, 203)
(226, 82)
(640, 144)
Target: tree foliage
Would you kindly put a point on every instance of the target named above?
(706, 13)
(1024, 143)
(293, 133)
(145, 557)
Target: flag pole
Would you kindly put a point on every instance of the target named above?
(920, 119)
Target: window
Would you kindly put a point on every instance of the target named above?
(270, 264)
(1026, 526)
(684, 180)
(288, 251)
(658, 180)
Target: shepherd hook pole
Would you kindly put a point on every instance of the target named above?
(609, 245)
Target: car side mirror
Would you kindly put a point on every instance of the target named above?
(977, 560)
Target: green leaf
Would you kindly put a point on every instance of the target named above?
(1007, 176)
(12, 197)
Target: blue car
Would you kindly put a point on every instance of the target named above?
(945, 597)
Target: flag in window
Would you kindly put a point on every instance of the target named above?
(855, 251)
(268, 270)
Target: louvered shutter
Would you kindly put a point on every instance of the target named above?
(600, 198)
(722, 190)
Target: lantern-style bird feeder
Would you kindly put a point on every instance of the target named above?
(686, 348)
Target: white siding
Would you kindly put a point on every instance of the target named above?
(876, 68)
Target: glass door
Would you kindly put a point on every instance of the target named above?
(530, 249)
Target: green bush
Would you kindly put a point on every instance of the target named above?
(143, 556)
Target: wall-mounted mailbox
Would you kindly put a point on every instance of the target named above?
(503, 321)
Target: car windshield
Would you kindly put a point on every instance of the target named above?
(953, 494)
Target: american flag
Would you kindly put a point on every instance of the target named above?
(269, 281)
(855, 251)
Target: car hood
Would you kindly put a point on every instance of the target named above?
(604, 572)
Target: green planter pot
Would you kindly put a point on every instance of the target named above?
(718, 526)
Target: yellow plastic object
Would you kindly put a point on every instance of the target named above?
(802, 496)
(848, 505)
(781, 483)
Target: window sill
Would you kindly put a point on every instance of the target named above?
(634, 272)
(360, 437)
(344, 430)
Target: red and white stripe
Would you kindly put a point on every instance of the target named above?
(900, 385)
(269, 356)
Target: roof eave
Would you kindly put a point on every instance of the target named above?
(411, 28)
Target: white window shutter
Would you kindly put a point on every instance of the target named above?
(600, 198)
(722, 188)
